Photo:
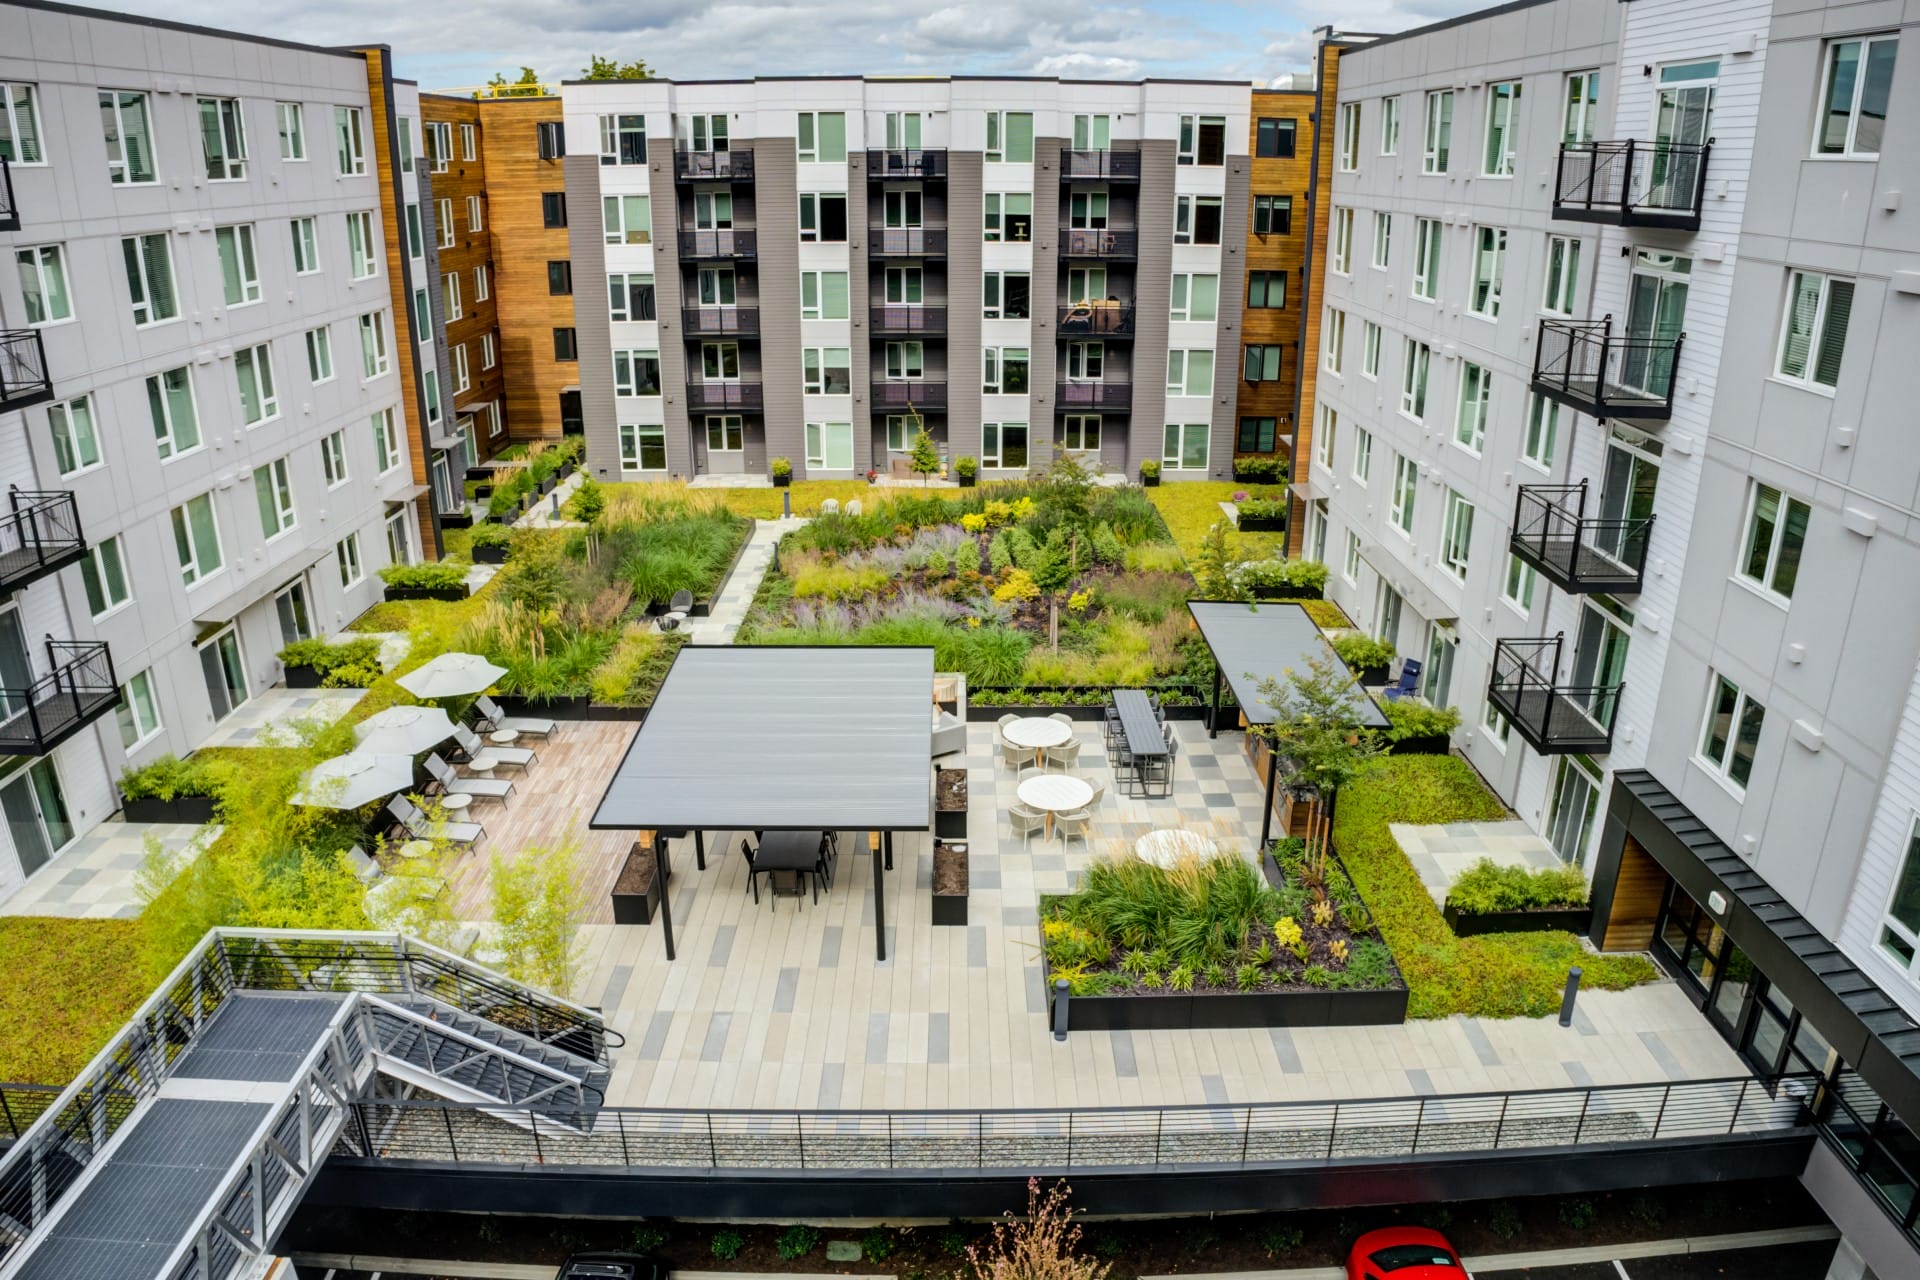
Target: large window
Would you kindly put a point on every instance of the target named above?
(1090, 132)
(1543, 429)
(1196, 297)
(1776, 534)
(1262, 361)
(1005, 371)
(830, 445)
(823, 295)
(720, 362)
(1563, 274)
(907, 360)
(627, 219)
(1197, 219)
(1256, 436)
(1813, 334)
(253, 370)
(826, 371)
(1582, 107)
(1470, 421)
(129, 135)
(726, 433)
(1413, 383)
(643, 448)
(1382, 239)
(1189, 373)
(1347, 141)
(374, 361)
(1185, 446)
(1266, 289)
(149, 263)
(349, 141)
(1007, 295)
(1456, 537)
(223, 139)
(1273, 138)
(239, 267)
(1390, 126)
(176, 422)
(103, 574)
(1080, 433)
(1503, 128)
(196, 539)
(1334, 340)
(43, 283)
(76, 442)
(630, 296)
(20, 124)
(1853, 97)
(822, 139)
(1003, 445)
(273, 493)
(1732, 732)
(1009, 139)
(823, 217)
(1406, 478)
(623, 140)
(1340, 251)
(1007, 216)
(636, 373)
(1439, 132)
(1203, 141)
(1489, 265)
(1426, 257)
(1370, 351)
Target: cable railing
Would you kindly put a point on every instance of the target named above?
(1552, 717)
(1552, 532)
(1585, 365)
(1632, 183)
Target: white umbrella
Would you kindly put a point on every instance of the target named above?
(405, 731)
(450, 675)
(349, 781)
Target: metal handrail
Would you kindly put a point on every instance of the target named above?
(1108, 393)
(1099, 242)
(1622, 179)
(82, 678)
(1583, 362)
(1517, 672)
(1099, 165)
(1550, 525)
(724, 395)
(721, 320)
(23, 367)
(888, 241)
(44, 524)
(719, 243)
(900, 317)
(715, 165)
(907, 162)
(905, 392)
(1111, 319)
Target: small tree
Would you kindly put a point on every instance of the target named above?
(614, 69)
(1318, 735)
(926, 456)
(1045, 1245)
(1068, 491)
(1054, 565)
(1213, 565)
(537, 905)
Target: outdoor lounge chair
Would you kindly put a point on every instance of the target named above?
(479, 788)
(677, 610)
(365, 869)
(1409, 685)
(469, 742)
(415, 823)
(494, 718)
(949, 733)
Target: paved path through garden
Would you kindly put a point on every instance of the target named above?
(736, 593)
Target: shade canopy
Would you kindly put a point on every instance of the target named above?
(1253, 644)
(782, 738)
(450, 675)
(349, 781)
(405, 731)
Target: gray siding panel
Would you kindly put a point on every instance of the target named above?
(1153, 302)
(859, 301)
(592, 331)
(669, 287)
(966, 185)
(1228, 360)
(777, 203)
(1046, 290)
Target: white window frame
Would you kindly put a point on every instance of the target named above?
(1362, 455)
(1898, 943)
(166, 433)
(386, 440)
(119, 168)
(319, 343)
(333, 458)
(246, 261)
(1437, 129)
(18, 99)
(818, 309)
(1182, 359)
(192, 571)
(137, 695)
(1350, 562)
(1850, 150)
(627, 363)
(1081, 433)
(1721, 770)
(1516, 587)
(809, 138)
(1489, 272)
(362, 254)
(1382, 239)
(1413, 382)
(376, 356)
(1185, 297)
(993, 444)
(469, 145)
(995, 364)
(996, 151)
(993, 294)
(1340, 246)
(1562, 285)
(1186, 211)
(72, 421)
(1749, 527)
(1429, 243)
(1173, 447)
(482, 283)
(438, 137)
(290, 118)
(1347, 148)
(488, 350)
(1502, 127)
(1370, 338)
(476, 215)
(820, 445)
(444, 210)
(1817, 334)
(1326, 435)
(1390, 125)
(1543, 432)
(630, 451)
(230, 164)
(306, 246)
(259, 361)
(1470, 414)
(1406, 482)
(96, 561)
(462, 379)
(1580, 94)
(280, 491)
(1187, 144)
(1456, 537)
(48, 265)
(350, 142)
(816, 361)
(346, 557)
(143, 301)
(1334, 341)
(450, 298)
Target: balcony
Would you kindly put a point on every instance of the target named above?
(713, 166)
(893, 397)
(1104, 243)
(9, 211)
(907, 242)
(1099, 166)
(718, 246)
(723, 322)
(1552, 533)
(1631, 183)
(1555, 719)
(897, 318)
(79, 690)
(906, 164)
(39, 535)
(1584, 365)
(1097, 319)
(1077, 397)
(713, 396)
(23, 370)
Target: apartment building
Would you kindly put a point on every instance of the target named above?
(1617, 317)
(451, 146)
(1280, 140)
(813, 269)
(206, 400)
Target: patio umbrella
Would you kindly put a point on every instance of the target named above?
(404, 731)
(450, 675)
(349, 781)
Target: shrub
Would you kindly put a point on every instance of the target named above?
(999, 553)
(796, 1241)
(1150, 469)
(588, 502)
(438, 575)
(1017, 585)
(1409, 719)
(1485, 887)
(1277, 1239)
(966, 467)
(353, 664)
(167, 778)
(878, 1244)
(1503, 1219)
(493, 535)
(1648, 1209)
(1156, 557)
(1577, 1213)
(1264, 509)
(1362, 651)
(1310, 574)
(647, 1238)
(727, 1244)
(634, 671)
(837, 580)
(1326, 614)
(781, 468)
(1044, 1245)
(1259, 470)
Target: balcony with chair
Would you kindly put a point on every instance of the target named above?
(1586, 366)
(1096, 319)
(1554, 718)
(1108, 244)
(9, 208)
(1551, 532)
(23, 370)
(719, 246)
(80, 688)
(916, 393)
(1099, 166)
(1107, 395)
(720, 396)
(713, 166)
(1632, 183)
(39, 534)
(900, 318)
(907, 242)
(907, 164)
(720, 322)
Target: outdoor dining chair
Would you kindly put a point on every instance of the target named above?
(1027, 822)
(1076, 824)
(753, 873)
(1066, 755)
(1014, 757)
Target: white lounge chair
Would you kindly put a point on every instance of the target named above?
(478, 751)
(532, 726)
(365, 869)
(479, 788)
(417, 825)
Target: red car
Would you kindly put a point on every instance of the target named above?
(1404, 1253)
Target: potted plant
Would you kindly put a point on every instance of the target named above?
(949, 884)
(1487, 898)
(636, 892)
(950, 804)
(1150, 474)
(168, 789)
(434, 580)
(350, 664)
(1263, 515)
(490, 544)
(1259, 469)
(782, 469)
(1278, 579)
(1367, 658)
(872, 476)
(966, 471)
(1418, 728)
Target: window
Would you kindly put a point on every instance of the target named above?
(1776, 534)
(350, 151)
(1426, 257)
(1390, 126)
(899, 425)
(828, 371)
(176, 421)
(1272, 139)
(1090, 133)
(1470, 419)
(1326, 436)
(104, 575)
(129, 135)
(273, 491)
(306, 246)
(439, 144)
(908, 360)
(373, 344)
(1439, 132)
(1266, 289)
(362, 251)
(1256, 436)
(704, 133)
(319, 355)
(1563, 274)
(469, 143)
(482, 283)
(1334, 340)
(462, 380)
(1190, 373)
(196, 539)
(476, 218)
(1005, 371)
(1350, 562)
(223, 139)
(823, 217)
(553, 209)
(1517, 590)
(139, 711)
(239, 269)
(643, 448)
(1003, 445)
(333, 458)
(1489, 265)
(1009, 214)
(415, 244)
(1273, 215)
(1348, 144)
(724, 433)
(430, 387)
(717, 287)
(822, 139)
(1196, 219)
(489, 348)
(630, 297)
(823, 295)
(1087, 284)
(1814, 332)
(636, 373)
(1362, 454)
(552, 140)
(1456, 538)
(720, 361)
(386, 441)
(1413, 385)
(20, 124)
(422, 316)
(443, 216)
(627, 219)
(1543, 426)
(76, 443)
(405, 135)
(149, 262)
(1080, 433)
(1007, 295)
(565, 344)
(1503, 127)
(1582, 107)
(1732, 732)
(1185, 446)
(623, 140)
(43, 283)
(1203, 141)
(1853, 97)
(450, 296)
(346, 553)
(1370, 351)
(1382, 239)
(560, 277)
(1010, 141)
(253, 368)
(830, 445)
(1262, 362)
(1341, 250)
(1406, 474)
(1196, 297)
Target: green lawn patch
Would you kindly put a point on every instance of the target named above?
(70, 985)
(1191, 507)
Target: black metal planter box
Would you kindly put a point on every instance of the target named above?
(489, 555)
(638, 908)
(1569, 919)
(1216, 1010)
(302, 676)
(783, 482)
(1373, 675)
(564, 707)
(967, 482)
(1287, 591)
(1425, 744)
(1149, 482)
(950, 910)
(192, 810)
(456, 520)
(427, 593)
(1262, 524)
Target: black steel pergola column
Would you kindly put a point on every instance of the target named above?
(666, 894)
(879, 893)
(700, 850)
(1213, 711)
(1266, 810)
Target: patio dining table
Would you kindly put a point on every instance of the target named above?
(794, 852)
(1146, 740)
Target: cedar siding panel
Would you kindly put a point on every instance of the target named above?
(522, 245)
(1286, 176)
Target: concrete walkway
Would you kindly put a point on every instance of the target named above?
(1442, 852)
(543, 514)
(737, 592)
(97, 876)
(269, 716)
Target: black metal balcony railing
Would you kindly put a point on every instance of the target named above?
(903, 318)
(79, 689)
(900, 162)
(732, 322)
(713, 166)
(1073, 396)
(907, 242)
(909, 391)
(39, 535)
(723, 395)
(1100, 242)
(1632, 183)
(9, 211)
(1099, 319)
(712, 245)
(1584, 365)
(23, 370)
(1552, 533)
(1100, 166)
(1555, 719)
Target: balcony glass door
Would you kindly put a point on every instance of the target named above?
(905, 208)
(296, 620)
(1682, 123)
(1086, 284)
(713, 210)
(1599, 662)
(16, 668)
(1656, 317)
(1576, 797)
(225, 675)
(717, 287)
(36, 814)
(1626, 493)
(903, 130)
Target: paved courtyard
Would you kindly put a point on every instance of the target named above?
(97, 877)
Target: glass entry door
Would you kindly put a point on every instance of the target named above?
(1627, 489)
(16, 668)
(225, 675)
(1656, 316)
(1682, 124)
(36, 814)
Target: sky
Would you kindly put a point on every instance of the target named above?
(444, 45)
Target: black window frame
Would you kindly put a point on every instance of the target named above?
(559, 277)
(1274, 129)
(553, 209)
(566, 344)
(1266, 279)
(551, 139)
(1269, 354)
(1273, 201)
(1270, 431)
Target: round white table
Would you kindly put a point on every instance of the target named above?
(1166, 847)
(455, 801)
(1037, 733)
(416, 848)
(503, 737)
(484, 764)
(1053, 793)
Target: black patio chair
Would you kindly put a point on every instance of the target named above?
(753, 873)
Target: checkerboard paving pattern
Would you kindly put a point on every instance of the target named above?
(269, 715)
(94, 878)
(1440, 853)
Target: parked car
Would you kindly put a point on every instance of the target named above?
(612, 1266)
(1404, 1253)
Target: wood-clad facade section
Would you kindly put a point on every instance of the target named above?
(1275, 258)
(526, 309)
(1314, 251)
(467, 253)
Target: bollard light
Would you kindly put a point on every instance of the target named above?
(1060, 998)
(1566, 1001)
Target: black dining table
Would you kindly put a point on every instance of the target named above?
(1146, 738)
(788, 851)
